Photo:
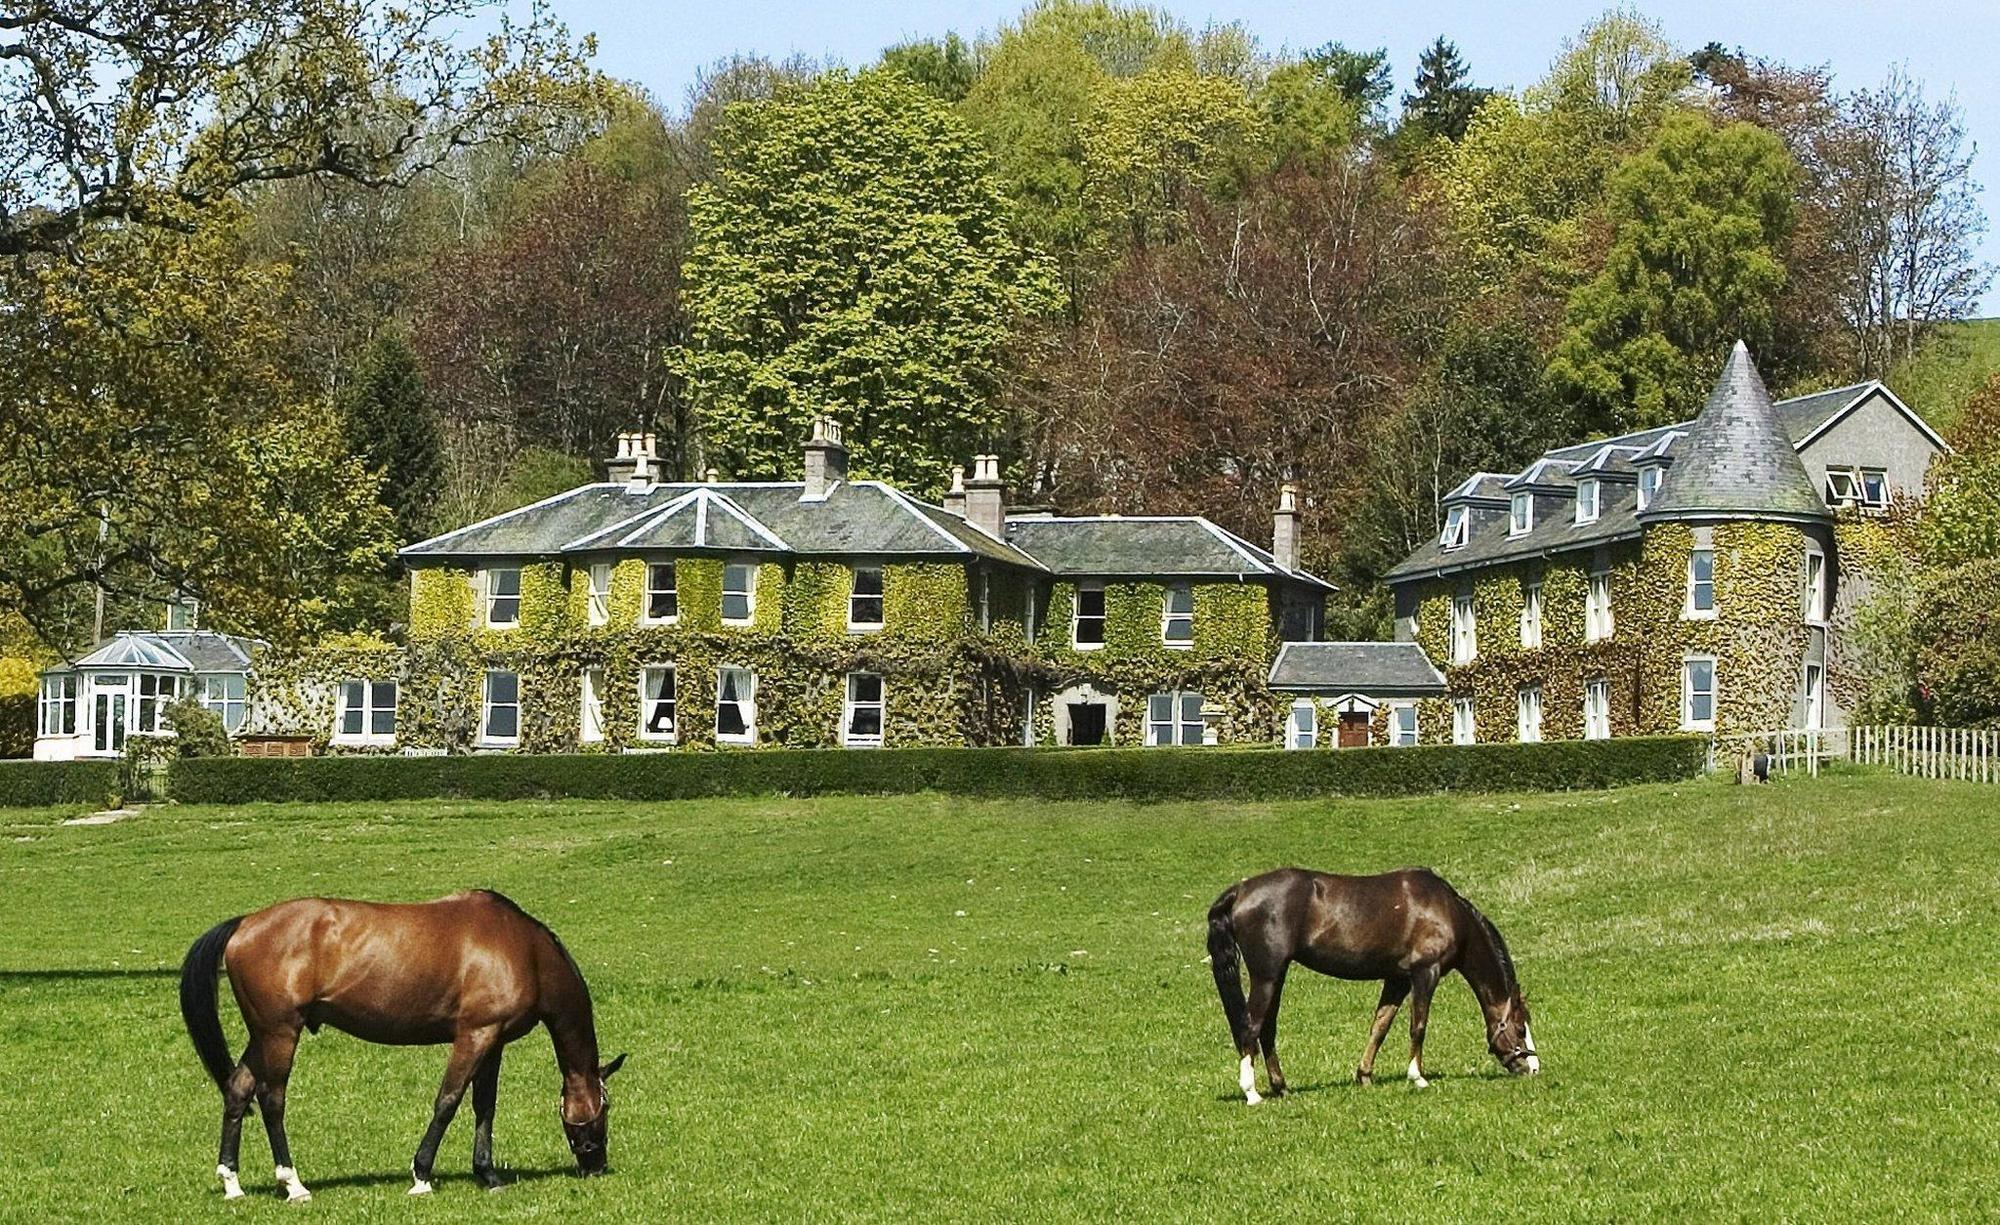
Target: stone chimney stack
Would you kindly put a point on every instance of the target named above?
(986, 497)
(636, 463)
(1285, 527)
(954, 498)
(826, 460)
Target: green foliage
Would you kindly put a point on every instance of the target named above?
(1954, 366)
(1307, 113)
(1155, 143)
(1443, 104)
(1699, 218)
(1361, 78)
(947, 66)
(53, 784)
(852, 258)
(391, 429)
(20, 687)
(198, 731)
(1164, 774)
(1958, 645)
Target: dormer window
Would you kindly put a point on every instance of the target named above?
(1649, 484)
(1521, 519)
(1456, 523)
(1586, 501)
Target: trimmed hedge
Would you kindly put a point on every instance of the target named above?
(1042, 773)
(46, 784)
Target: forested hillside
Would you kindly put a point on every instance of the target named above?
(258, 335)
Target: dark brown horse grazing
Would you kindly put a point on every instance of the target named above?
(473, 969)
(1408, 928)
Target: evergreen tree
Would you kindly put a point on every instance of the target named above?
(390, 428)
(1443, 103)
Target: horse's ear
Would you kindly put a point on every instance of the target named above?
(604, 1073)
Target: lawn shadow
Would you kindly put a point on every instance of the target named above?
(1381, 1083)
(30, 976)
(439, 1179)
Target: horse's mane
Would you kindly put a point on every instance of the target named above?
(497, 896)
(1498, 941)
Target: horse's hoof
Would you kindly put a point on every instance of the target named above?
(300, 1196)
(1363, 1078)
(421, 1188)
(1252, 1098)
(232, 1193)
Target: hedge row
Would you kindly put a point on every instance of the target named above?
(47, 784)
(1137, 774)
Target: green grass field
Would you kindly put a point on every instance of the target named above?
(1775, 1002)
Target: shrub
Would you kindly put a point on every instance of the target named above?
(47, 784)
(1046, 773)
(198, 731)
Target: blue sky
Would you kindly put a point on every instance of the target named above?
(1948, 44)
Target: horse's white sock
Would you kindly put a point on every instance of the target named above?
(295, 1191)
(1417, 1076)
(231, 1189)
(1534, 1060)
(1246, 1075)
(422, 1187)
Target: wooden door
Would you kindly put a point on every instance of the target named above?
(1353, 729)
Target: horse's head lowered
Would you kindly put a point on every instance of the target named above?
(586, 1118)
(1508, 1037)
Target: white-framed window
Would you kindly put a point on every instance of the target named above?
(1302, 725)
(1597, 709)
(1597, 608)
(599, 588)
(1174, 718)
(367, 711)
(1086, 630)
(861, 714)
(658, 704)
(985, 600)
(663, 595)
(1464, 631)
(1700, 585)
(1531, 615)
(1864, 487)
(1649, 484)
(1457, 528)
(503, 597)
(59, 705)
(182, 614)
(1464, 727)
(1028, 609)
(735, 705)
(1815, 696)
(1521, 514)
(1177, 616)
(500, 712)
(739, 593)
(156, 693)
(1815, 586)
(864, 599)
(1586, 500)
(1403, 724)
(1528, 722)
(1874, 489)
(590, 718)
(1698, 693)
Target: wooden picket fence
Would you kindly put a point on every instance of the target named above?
(1963, 753)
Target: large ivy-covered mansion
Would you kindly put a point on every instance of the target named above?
(1691, 577)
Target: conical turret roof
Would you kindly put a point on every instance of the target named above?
(1737, 461)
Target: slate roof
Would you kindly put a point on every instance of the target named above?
(1116, 546)
(1737, 460)
(1387, 669)
(168, 651)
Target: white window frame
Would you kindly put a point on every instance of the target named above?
(1597, 621)
(1457, 527)
(1528, 714)
(1302, 725)
(590, 709)
(646, 599)
(597, 592)
(1521, 514)
(1815, 586)
(850, 705)
(487, 706)
(1688, 722)
(1813, 681)
(370, 707)
(186, 611)
(1690, 609)
(860, 624)
(1649, 484)
(1464, 630)
(749, 592)
(1464, 721)
(1176, 728)
(1168, 616)
(1077, 618)
(1588, 486)
(1597, 709)
(490, 597)
(1531, 615)
(746, 704)
(152, 693)
(985, 600)
(1877, 497)
(1400, 736)
(59, 704)
(673, 733)
(1028, 609)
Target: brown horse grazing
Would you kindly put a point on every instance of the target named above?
(1408, 928)
(473, 969)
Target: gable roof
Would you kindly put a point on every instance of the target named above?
(1737, 460)
(1116, 546)
(168, 651)
(1388, 669)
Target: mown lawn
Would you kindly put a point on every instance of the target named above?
(1775, 1002)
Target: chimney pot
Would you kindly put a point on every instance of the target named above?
(1285, 527)
(826, 459)
(713, 475)
(633, 461)
(986, 497)
(954, 498)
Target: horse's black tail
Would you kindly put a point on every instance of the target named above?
(198, 1009)
(1222, 960)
